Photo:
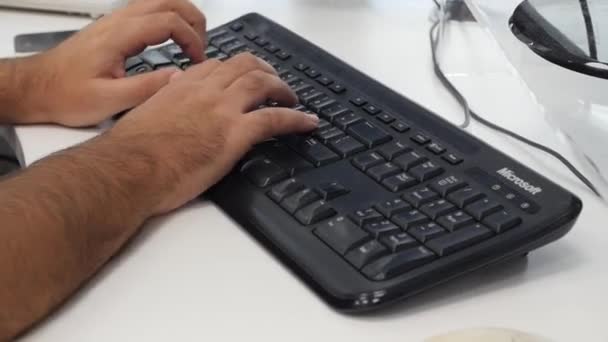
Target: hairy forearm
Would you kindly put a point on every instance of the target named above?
(63, 218)
(17, 82)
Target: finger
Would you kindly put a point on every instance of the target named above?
(266, 123)
(238, 66)
(255, 88)
(157, 28)
(199, 71)
(184, 8)
(130, 92)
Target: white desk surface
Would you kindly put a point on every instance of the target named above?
(195, 275)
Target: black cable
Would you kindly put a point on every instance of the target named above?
(434, 38)
(589, 27)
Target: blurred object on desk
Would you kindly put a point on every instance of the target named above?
(573, 103)
(93, 8)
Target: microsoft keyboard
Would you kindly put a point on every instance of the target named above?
(385, 199)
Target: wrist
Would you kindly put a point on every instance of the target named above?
(21, 98)
(138, 169)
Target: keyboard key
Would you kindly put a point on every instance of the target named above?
(346, 146)
(400, 126)
(398, 241)
(399, 182)
(380, 228)
(174, 51)
(459, 240)
(426, 232)
(465, 196)
(368, 252)
(447, 185)
(337, 88)
(325, 80)
(300, 199)
(410, 159)
(330, 191)
(436, 148)
(393, 150)
(280, 154)
(155, 59)
(502, 221)
(455, 220)
(372, 109)
(215, 34)
(312, 150)
(220, 42)
(421, 139)
(300, 66)
(312, 73)
(251, 36)
(236, 27)
(234, 48)
(328, 134)
(263, 172)
(367, 216)
(142, 69)
(346, 120)
(426, 171)
(299, 87)
(315, 212)
(284, 189)
(283, 55)
(395, 264)
(369, 134)
(358, 101)
(383, 171)
(410, 218)
(133, 62)
(308, 96)
(320, 103)
(483, 208)
(420, 196)
(392, 207)
(386, 118)
(452, 159)
(437, 208)
(333, 112)
(367, 160)
(341, 234)
(261, 42)
(272, 48)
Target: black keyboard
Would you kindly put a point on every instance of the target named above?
(385, 199)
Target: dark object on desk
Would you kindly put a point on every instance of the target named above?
(385, 199)
(39, 42)
(8, 160)
(551, 30)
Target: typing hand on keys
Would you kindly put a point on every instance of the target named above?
(82, 81)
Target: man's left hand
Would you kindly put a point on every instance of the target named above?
(82, 81)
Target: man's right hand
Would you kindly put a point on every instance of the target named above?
(204, 121)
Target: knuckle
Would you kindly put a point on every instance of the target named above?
(255, 80)
(248, 60)
(172, 18)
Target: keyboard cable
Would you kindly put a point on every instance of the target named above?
(434, 35)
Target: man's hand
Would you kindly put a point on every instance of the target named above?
(66, 215)
(82, 81)
(202, 123)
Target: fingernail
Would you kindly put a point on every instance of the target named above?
(313, 118)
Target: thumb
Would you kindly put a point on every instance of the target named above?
(132, 91)
(269, 122)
